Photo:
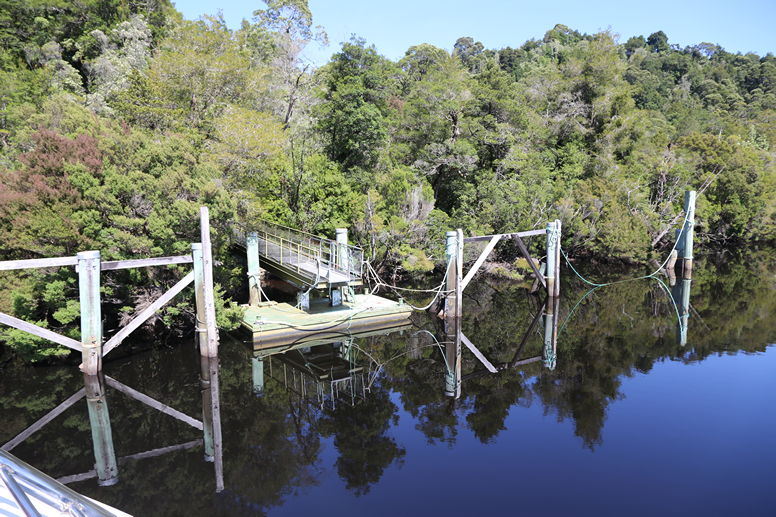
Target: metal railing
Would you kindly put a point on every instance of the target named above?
(26, 484)
(304, 252)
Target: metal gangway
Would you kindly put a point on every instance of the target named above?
(304, 258)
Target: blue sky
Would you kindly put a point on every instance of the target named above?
(741, 26)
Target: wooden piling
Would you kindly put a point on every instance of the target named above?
(451, 284)
(552, 257)
(91, 311)
(254, 276)
(688, 234)
(102, 436)
(207, 286)
(556, 291)
(207, 408)
(199, 297)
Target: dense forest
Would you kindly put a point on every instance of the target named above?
(118, 119)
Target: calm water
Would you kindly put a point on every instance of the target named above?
(616, 417)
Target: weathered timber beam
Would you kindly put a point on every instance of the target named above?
(480, 260)
(145, 399)
(529, 233)
(74, 478)
(146, 262)
(478, 354)
(35, 330)
(147, 313)
(45, 419)
(524, 251)
(9, 265)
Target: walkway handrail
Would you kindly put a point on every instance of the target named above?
(24, 481)
(294, 246)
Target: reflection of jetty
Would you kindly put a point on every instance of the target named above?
(324, 367)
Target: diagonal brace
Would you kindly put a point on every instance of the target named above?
(478, 354)
(473, 270)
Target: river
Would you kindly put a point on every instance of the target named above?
(631, 409)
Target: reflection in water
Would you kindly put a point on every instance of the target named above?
(337, 417)
(102, 436)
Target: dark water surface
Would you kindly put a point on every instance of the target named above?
(616, 417)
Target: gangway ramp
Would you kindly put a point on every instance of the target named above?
(303, 258)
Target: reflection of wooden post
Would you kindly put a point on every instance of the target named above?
(685, 250)
(254, 278)
(91, 312)
(257, 370)
(102, 437)
(211, 417)
(453, 357)
(207, 275)
(550, 352)
(681, 295)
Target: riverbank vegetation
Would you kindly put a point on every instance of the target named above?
(119, 119)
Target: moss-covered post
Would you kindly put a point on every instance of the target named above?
(254, 276)
(102, 436)
(91, 311)
(688, 234)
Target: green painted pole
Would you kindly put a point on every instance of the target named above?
(681, 295)
(453, 357)
(199, 297)
(254, 278)
(102, 436)
(552, 256)
(689, 234)
(91, 311)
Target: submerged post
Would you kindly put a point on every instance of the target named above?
(685, 249)
(453, 357)
(257, 371)
(91, 312)
(552, 257)
(254, 276)
(102, 436)
(208, 290)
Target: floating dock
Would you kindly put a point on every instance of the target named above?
(272, 323)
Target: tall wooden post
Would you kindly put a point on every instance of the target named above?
(199, 297)
(91, 311)
(341, 236)
(552, 257)
(451, 282)
(207, 286)
(459, 276)
(557, 256)
(688, 234)
(102, 437)
(254, 276)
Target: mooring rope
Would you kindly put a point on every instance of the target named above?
(685, 224)
(439, 290)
